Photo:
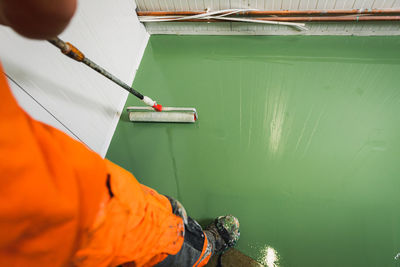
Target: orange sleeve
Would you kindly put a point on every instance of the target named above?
(51, 188)
(55, 206)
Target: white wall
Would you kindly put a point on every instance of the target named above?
(83, 104)
(229, 28)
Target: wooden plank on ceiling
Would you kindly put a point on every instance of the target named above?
(140, 5)
(235, 3)
(210, 5)
(304, 5)
(224, 4)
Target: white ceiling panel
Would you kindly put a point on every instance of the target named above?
(199, 5)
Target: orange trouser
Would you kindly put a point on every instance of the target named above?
(62, 204)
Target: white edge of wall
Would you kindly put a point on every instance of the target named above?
(113, 127)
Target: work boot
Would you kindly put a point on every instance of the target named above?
(223, 233)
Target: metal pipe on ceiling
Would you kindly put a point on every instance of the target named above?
(279, 12)
(309, 19)
(333, 18)
(219, 15)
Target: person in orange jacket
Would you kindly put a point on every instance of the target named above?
(63, 205)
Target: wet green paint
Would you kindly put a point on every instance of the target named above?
(299, 137)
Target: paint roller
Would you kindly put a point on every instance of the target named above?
(152, 113)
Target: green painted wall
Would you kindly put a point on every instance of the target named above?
(298, 136)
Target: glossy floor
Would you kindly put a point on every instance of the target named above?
(299, 137)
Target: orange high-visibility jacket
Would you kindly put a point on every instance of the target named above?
(57, 210)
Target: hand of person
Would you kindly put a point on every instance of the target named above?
(37, 19)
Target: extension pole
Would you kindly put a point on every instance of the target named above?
(74, 53)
